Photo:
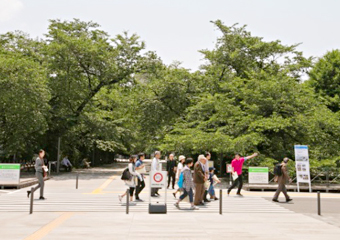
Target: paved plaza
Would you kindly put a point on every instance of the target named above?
(94, 211)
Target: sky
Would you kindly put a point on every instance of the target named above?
(178, 29)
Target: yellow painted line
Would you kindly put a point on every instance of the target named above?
(42, 232)
(103, 186)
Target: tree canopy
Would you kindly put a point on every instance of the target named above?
(110, 94)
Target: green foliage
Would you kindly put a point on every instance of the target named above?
(325, 79)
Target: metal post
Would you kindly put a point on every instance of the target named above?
(319, 204)
(77, 180)
(221, 201)
(31, 200)
(327, 179)
(58, 157)
(127, 201)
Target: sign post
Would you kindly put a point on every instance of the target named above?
(302, 166)
(158, 180)
(9, 174)
(258, 175)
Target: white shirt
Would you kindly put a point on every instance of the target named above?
(179, 169)
(155, 165)
(66, 162)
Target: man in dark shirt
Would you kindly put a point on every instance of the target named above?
(171, 168)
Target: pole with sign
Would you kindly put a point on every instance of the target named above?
(158, 180)
(302, 166)
(229, 170)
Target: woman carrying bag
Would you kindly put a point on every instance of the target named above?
(40, 173)
(131, 183)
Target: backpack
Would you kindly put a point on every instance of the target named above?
(126, 175)
(278, 169)
(180, 180)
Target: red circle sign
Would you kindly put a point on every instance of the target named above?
(158, 177)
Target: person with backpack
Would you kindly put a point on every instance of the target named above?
(186, 183)
(180, 166)
(129, 177)
(281, 177)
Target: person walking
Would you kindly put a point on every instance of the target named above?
(171, 169)
(282, 179)
(199, 179)
(188, 185)
(132, 182)
(207, 155)
(141, 183)
(155, 166)
(237, 164)
(213, 179)
(39, 173)
(180, 166)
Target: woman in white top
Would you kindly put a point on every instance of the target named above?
(180, 166)
(132, 182)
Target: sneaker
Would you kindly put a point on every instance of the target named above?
(120, 198)
(215, 198)
(139, 200)
(176, 205)
(28, 193)
(229, 192)
(206, 200)
(194, 208)
(275, 200)
(174, 195)
(289, 199)
(42, 198)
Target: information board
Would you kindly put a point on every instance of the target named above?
(158, 179)
(9, 174)
(258, 175)
(302, 165)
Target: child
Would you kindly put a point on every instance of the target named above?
(188, 184)
(213, 181)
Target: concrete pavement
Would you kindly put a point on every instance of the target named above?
(93, 211)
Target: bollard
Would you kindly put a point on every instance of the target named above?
(77, 180)
(221, 201)
(31, 200)
(319, 204)
(127, 201)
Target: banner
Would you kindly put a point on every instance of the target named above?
(258, 175)
(302, 165)
(9, 174)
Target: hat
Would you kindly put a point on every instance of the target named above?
(181, 157)
(211, 168)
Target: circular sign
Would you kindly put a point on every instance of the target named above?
(158, 177)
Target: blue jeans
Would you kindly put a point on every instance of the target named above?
(186, 193)
(211, 191)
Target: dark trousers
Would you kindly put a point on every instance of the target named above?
(154, 191)
(140, 186)
(281, 188)
(238, 181)
(186, 193)
(132, 189)
(171, 175)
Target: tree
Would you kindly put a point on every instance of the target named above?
(23, 101)
(325, 78)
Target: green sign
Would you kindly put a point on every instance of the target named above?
(9, 166)
(258, 169)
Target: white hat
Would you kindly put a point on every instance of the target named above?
(181, 157)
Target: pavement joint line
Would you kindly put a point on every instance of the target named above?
(103, 186)
(42, 232)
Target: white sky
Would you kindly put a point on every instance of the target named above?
(177, 29)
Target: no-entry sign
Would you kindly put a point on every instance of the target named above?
(158, 179)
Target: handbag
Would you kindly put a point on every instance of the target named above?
(206, 184)
(142, 170)
(126, 175)
(45, 170)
